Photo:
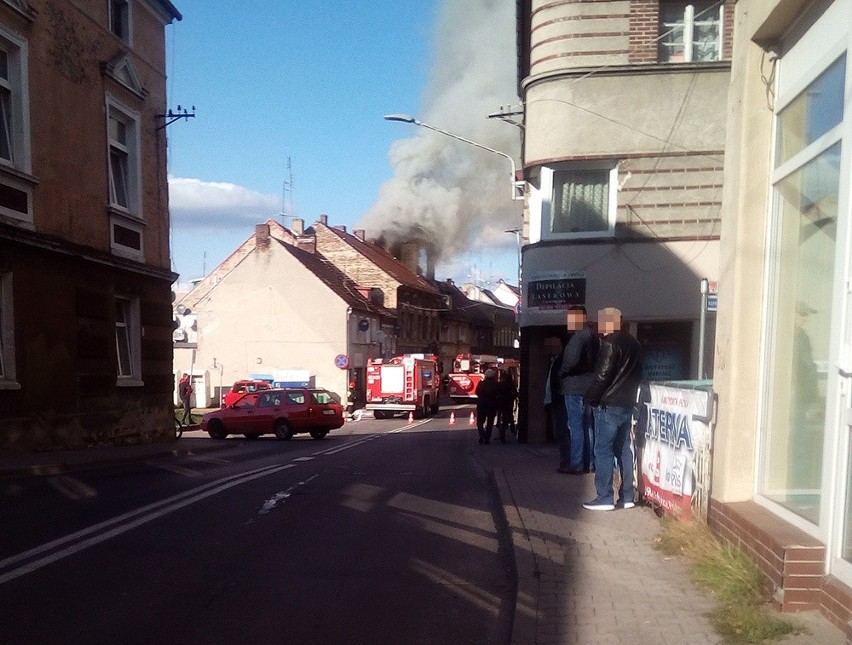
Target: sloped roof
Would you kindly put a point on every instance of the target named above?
(384, 260)
(463, 308)
(510, 287)
(191, 299)
(335, 280)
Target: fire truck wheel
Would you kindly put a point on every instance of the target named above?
(379, 414)
(282, 430)
(435, 407)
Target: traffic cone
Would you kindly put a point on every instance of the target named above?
(472, 421)
(452, 418)
(410, 417)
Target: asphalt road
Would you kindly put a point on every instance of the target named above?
(384, 532)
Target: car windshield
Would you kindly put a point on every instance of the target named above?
(321, 397)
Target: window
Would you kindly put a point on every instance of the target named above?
(119, 19)
(578, 201)
(15, 191)
(295, 398)
(128, 341)
(690, 32)
(807, 198)
(124, 181)
(7, 335)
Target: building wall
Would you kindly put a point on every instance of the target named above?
(252, 324)
(61, 272)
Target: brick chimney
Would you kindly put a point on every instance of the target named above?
(361, 234)
(261, 236)
(324, 219)
(341, 228)
(307, 243)
(298, 226)
(409, 255)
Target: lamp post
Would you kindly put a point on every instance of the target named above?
(407, 118)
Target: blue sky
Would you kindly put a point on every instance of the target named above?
(310, 82)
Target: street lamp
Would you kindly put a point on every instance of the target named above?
(407, 118)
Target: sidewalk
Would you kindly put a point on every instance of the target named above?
(594, 576)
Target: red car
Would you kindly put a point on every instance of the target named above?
(242, 387)
(280, 412)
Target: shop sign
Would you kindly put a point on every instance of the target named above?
(556, 290)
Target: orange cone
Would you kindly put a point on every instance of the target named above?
(452, 418)
(410, 417)
(472, 421)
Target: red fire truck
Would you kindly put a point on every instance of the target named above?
(406, 383)
(469, 370)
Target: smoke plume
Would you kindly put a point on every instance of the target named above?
(446, 194)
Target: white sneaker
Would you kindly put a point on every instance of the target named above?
(628, 505)
(599, 505)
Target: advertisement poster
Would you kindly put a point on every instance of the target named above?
(556, 290)
(677, 444)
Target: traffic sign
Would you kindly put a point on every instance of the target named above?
(712, 303)
(342, 361)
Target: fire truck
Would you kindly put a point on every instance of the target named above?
(469, 371)
(407, 383)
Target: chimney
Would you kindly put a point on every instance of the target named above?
(307, 243)
(324, 219)
(361, 234)
(261, 236)
(298, 226)
(430, 265)
(409, 255)
(341, 228)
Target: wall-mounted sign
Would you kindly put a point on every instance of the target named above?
(342, 361)
(556, 290)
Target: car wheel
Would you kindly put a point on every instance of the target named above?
(319, 434)
(283, 430)
(216, 430)
(251, 435)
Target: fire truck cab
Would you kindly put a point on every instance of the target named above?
(469, 371)
(407, 383)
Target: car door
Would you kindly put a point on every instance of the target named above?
(297, 409)
(268, 409)
(240, 417)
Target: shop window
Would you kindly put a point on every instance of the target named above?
(690, 32)
(806, 198)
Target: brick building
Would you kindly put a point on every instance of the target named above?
(85, 284)
(623, 158)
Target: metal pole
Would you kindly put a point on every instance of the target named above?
(702, 324)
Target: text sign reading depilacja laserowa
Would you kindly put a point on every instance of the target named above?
(557, 290)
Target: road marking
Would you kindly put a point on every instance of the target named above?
(125, 522)
(172, 468)
(273, 501)
(101, 532)
(72, 488)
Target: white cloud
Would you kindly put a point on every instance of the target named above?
(198, 204)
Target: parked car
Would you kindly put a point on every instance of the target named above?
(243, 387)
(283, 412)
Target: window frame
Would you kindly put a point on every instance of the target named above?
(15, 172)
(126, 23)
(8, 374)
(130, 216)
(546, 191)
(688, 24)
(133, 345)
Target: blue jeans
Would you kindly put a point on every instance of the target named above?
(613, 444)
(580, 429)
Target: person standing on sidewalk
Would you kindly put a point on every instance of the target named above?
(554, 404)
(488, 395)
(506, 413)
(612, 395)
(578, 363)
(185, 394)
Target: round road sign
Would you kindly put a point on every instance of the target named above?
(342, 361)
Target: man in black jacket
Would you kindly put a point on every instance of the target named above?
(488, 398)
(612, 394)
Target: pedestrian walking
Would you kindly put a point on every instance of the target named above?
(488, 395)
(612, 395)
(506, 413)
(575, 375)
(185, 394)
